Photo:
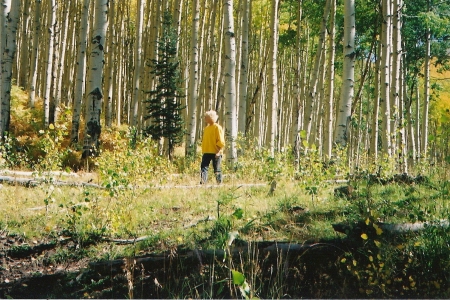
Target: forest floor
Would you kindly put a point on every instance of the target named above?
(58, 266)
(28, 271)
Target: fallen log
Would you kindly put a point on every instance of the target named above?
(31, 182)
(387, 228)
(196, 258)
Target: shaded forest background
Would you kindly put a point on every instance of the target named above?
(370, 76)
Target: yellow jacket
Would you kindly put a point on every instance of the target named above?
(213, 139)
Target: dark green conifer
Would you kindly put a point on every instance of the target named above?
(164, 108)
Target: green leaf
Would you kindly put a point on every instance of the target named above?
(238, 277)
(303, 134)
(238, 213)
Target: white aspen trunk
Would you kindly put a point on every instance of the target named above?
(348, 77)
(94, 90)
(312, 96)
(8, 46)
(396, 88)
(426, 97)
(121, 66)
(359, 137)
(5, 7)
(111, 67)
(55, 65)
(137, 63)
(304, 80)
(395, 76)
(68, 86)
(417, 123)
(259, 104)
(34, 53)
(373, 149)
(317, 114)
(202, 59)
(209, 94)
(154, 33)
(272, 129)
(243, 78)
(411, 146)
(177, 14)
(297, 90)
(23, 66)
(403, 159)
(49, 62)
(62, 67)
(217, 84)
(80, 73)
(193, 81)
(230, 83)
(385, 77)
(329, 120)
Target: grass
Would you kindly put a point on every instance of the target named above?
(179, 214)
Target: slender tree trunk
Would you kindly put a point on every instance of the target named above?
(61, 67)
(411, 146)
(426, 97)
(49, 63)
(312, 96)
(348, 77)
(273, 80)
(80, 73)
(297, 89)
(243, 84)
(34, 53)
(212, 61)
(137, 62)
(417, 117)
(403, 157)
(111, 66)
(230, 83)
(95, 95)
(373, 149)
(24, 46)
(329, 120)
(385, 77)
(193, 81)
(8, 46)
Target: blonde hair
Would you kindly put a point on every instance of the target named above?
(212, 114)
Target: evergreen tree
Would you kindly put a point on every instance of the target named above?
(164, 107)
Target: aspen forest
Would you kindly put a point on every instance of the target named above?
(295, 75)
(336, 119)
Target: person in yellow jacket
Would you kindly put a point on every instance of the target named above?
(213, 143)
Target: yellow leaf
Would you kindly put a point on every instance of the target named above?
(377, 243)
(417, 244)
(400, 247)
(343, 260)
(364, 236)
(371, 258)
(378, 230)
(51, 126)
(367, 221)
(354, 263)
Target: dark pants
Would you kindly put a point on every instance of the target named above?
(206, 160)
